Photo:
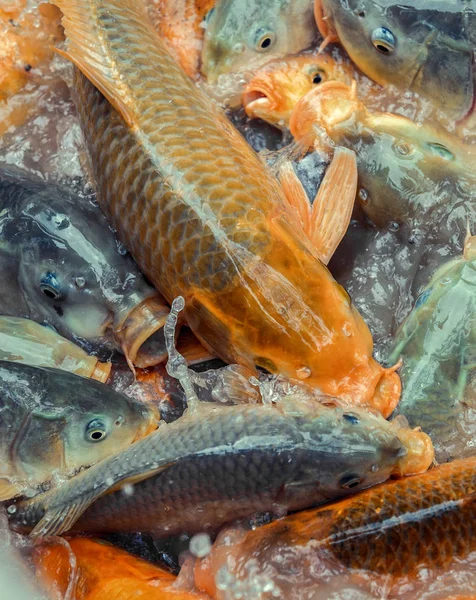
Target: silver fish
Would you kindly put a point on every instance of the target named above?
(248, 33)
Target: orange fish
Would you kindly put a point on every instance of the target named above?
(393, 529)
(206, 220)
(86, 569)
(180, 25)
(275, 90)
(27, 40)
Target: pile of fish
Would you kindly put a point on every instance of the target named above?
(191, 404)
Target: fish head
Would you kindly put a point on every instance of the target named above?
(75, 277)
(362, 448)
(244, 34)
(274, 91)
(417, 47)
(101, 422)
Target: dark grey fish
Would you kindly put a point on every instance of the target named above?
(61, 265)
(53, 422)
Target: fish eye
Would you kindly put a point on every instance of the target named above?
(317, 76)
(383, 40)
(264, 40)
(351, 418)
(50, 287)
(96, 431)
(440, 150)
(349, 481)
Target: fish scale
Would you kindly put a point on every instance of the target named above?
(205, 219)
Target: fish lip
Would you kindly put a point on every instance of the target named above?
(258, 96)
(144, 320)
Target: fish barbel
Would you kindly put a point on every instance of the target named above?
(393, 529)
(99, 571)
(204, 218)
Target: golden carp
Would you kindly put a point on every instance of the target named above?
(102, 572)
(425, 46)
(274, 90)
(28, 38)
(393, 531)
(244, 34)
(406, 170)
(25, 341)
(206, 220)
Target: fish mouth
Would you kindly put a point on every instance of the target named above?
(140, 336)
(259, 101)
(419, 454)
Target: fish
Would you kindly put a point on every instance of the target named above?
(53, 422)
(408, 173)
(436, 343)
(64, 268)
(102, 571)
(274, 90)
(245, 34)
(220, 463)
(227, 234)
(25, 341)
(28, 38)
(397, 531)
(425, 46)
(180, 23)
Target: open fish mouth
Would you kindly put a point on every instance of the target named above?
(140, 336)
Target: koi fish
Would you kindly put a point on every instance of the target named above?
(274, 91)
(228, 237)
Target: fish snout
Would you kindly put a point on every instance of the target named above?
(140, 334)
(259, 99)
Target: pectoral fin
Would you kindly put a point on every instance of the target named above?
(333, 205)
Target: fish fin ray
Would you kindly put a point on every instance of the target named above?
(332, 207)
(88, 48)
(295, 194)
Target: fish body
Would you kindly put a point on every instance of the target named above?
(407, 172)
(436, 343)
(55, 422)
(25, 341)
(102, 571)
(245, 34)
(180, 23)
(255, 291)
(63, 268)
(426, 46)
(397, 530)
(274, 90)
(220, 463)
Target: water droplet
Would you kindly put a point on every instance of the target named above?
(303, 372)
(80, 282)
(393, 226)
(12, 509)
(445, 281)
(347, 329)
(128, 489)
(200, 545)
(364, 196)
